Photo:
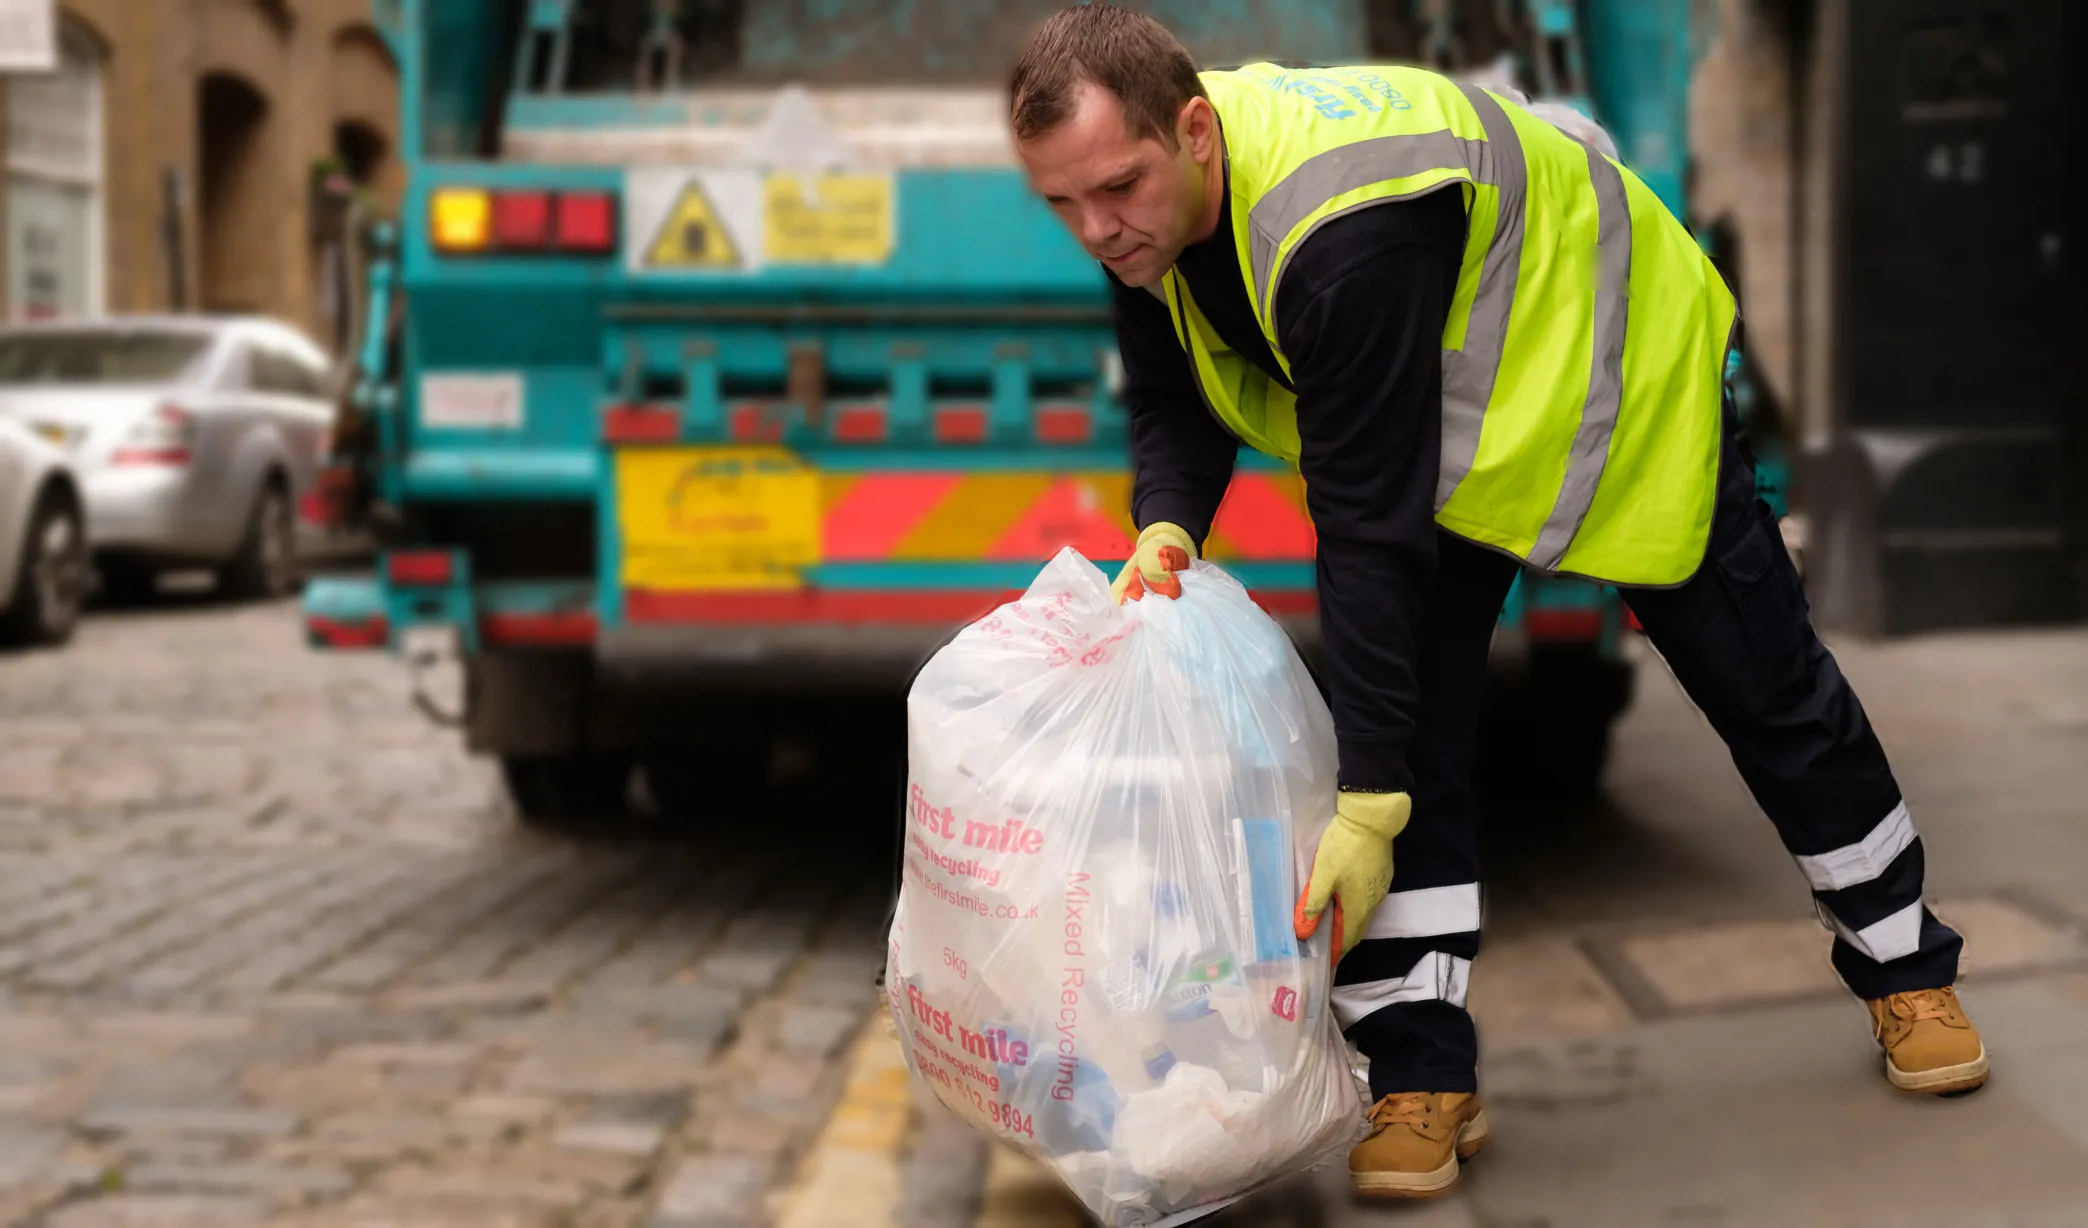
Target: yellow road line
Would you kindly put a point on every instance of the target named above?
(852, 1174)
(1023, 1193)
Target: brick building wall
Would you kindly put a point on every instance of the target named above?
(238, 99)
(1741, 138)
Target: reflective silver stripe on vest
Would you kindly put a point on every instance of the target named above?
(1469, 374)
(1324, 176)
(1606, 374)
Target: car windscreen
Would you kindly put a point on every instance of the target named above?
(99, 356)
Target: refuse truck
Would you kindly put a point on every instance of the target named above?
(720, 365)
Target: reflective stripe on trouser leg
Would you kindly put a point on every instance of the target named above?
(1405, 934)
(1591, 440)
(1426, 913)
(1868, 892)
(1894, 936)
(1437, 977)
(1469, 373)
(1864, 860)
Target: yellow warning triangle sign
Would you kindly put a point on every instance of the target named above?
(693, 236)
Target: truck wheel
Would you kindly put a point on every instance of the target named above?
(51, 582)
(1545, 742)
(1545, 764)
(567, 788)
(1569, 761)
(266, 565)
(709, 784)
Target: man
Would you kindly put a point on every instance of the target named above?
(1486, 346)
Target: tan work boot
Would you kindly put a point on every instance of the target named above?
(1415, 1142)
(1930, 1044)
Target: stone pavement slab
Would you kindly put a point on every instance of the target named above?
(1769, 1116)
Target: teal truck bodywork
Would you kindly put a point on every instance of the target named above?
(720, 355)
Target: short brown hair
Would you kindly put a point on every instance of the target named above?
(1129, 54)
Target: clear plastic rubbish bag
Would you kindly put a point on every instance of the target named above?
(1110, 810)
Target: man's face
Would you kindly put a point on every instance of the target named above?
(1131, 201)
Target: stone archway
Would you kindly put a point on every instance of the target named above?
(362, 150)
(363, 154)
(364, 82)
(238, 207)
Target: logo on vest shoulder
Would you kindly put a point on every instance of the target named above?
(1338, 93)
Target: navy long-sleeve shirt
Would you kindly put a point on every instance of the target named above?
(1360, 315)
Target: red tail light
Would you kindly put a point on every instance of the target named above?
(860, 423)
(521, 220)
(419, 568)
(517, 221)
(586, 222)
(641, 424)
(1571, 625)
(1064, 424)
(334, 633)
(960, 424)
(166, 436)
(538, 629)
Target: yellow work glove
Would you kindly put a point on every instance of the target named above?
(1353, 867)
(1163, 549)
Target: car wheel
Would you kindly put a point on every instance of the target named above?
(550, 790)
(51, 586)
(266, 565)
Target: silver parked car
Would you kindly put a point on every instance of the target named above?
(43, 540)
(194, 438)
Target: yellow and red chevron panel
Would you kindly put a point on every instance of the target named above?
(914, 546)
(1009, 517)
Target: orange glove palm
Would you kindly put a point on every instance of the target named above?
(1163, 549)
(1352, 868)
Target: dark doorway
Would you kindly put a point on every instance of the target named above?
(235, 217)
(361, 149)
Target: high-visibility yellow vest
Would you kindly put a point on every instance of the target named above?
(1584, 357)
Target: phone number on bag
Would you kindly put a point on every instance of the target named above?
(1006, 1116)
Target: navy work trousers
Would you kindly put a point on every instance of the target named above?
(1739, 638)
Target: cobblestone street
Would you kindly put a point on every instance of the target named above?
(273, 951)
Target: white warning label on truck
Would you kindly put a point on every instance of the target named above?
(680, 220)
